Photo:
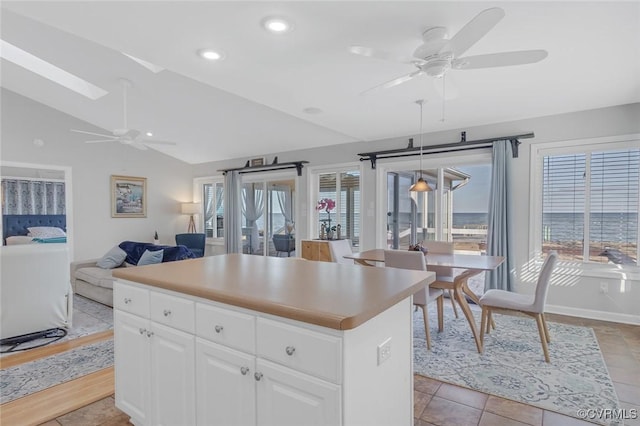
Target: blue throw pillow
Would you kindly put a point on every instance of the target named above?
(112, 259)
(150, 257)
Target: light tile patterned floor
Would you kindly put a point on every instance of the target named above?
(442, 404)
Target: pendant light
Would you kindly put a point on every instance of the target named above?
(421, 185)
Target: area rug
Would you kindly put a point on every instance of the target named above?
(89, 317)
(31, 377)
(512, 365)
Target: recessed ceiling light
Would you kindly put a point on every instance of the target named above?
(149, 134)
(210, 54)
(277, 25)
(312, 110)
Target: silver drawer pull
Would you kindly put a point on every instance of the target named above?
(290, 350)
(127, 300)
(257, 376)
(142, 331)
(149, 333)
(244, 370)
(167, 312)
(218, 328)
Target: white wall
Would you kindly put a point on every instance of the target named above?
(583, 296)
(169, 181)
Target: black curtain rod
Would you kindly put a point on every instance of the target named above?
(462, 145)
(269, 167)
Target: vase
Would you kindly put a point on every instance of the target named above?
(330, 234)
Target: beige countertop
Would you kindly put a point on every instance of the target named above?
(322, 293)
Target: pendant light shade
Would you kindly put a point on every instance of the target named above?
(421, 185)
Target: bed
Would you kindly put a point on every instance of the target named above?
(14, 228)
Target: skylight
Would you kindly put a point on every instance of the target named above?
(49, 71)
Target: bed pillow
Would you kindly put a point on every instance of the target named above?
(46, 232)
(112, 259)
(150, 257)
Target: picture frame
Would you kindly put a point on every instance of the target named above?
(259, 161)
(128, 196)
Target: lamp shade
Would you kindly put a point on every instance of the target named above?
(420, 186)
(191, 208)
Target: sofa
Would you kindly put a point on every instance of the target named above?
(91, 279)
(35, 292)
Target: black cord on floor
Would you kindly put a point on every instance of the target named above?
(54, 334)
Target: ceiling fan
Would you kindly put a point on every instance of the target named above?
(125, 135)
(437, 55)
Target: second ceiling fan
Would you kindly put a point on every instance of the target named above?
(437, 55)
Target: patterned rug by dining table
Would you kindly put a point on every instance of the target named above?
(512, 365)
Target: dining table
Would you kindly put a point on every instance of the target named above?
(470, 263)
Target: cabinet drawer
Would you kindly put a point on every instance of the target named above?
(301, 349)
(227, 327)
(176, 312)
(131, 299)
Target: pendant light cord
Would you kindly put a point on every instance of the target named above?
(443, 96)
(421, 102)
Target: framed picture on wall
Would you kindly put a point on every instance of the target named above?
(128, 196)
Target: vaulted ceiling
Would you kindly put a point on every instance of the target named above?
(280, 92)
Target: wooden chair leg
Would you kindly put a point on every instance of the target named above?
(427, 333)
(483, 325)
(453, 303)
(543, 337)
(546, 328)
(490, 323)
(440, 302)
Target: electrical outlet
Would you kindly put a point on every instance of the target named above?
(384, 351)
(604, 288)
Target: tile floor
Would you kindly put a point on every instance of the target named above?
(438, 403)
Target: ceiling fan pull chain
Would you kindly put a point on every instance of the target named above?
(124, 101)
(444, 97)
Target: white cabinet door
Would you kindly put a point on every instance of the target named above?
(172, 376)
(289, 398)
(132, 355)
(225, 386)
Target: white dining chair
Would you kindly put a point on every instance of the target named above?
(530, 304)
(442, 273)
(415, 260)
(339, 249)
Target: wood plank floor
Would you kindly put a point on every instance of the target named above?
(55, 401)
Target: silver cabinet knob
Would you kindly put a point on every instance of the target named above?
(218, 328)
(127, 300)
(257, 376)
(166, 312)
(142, 331)
(244, 370)
(149, 333)
(290, 350)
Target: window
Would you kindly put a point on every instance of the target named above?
(590, 198)
(213, 207)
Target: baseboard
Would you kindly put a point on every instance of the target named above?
(588, 313)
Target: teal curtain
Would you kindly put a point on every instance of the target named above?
(499, 238)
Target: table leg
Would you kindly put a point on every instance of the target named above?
(462, 301)
(476, 300)
(363, 262)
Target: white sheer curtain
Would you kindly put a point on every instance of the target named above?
(499, 238)
(286, 207)
(232, 213)
(253, 208)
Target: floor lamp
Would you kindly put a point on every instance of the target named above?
(191, 209)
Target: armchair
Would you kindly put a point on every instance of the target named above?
(194, 242)
(284, 243)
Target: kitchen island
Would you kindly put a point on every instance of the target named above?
(249, 340)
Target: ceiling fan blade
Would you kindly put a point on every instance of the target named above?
(473, 31)
(385, 56)
(155, 142)
(503, 59)
(93, 134)
(102, 140)
(394, 82)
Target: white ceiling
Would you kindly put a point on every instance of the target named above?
(252, 102)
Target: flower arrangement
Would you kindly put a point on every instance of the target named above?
(326, 204)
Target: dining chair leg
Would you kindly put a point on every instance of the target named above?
(440, 302)
(546, 328)
(483, 322)
(426, 326)
(543, 337)
(490, 322)
(453, 303)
